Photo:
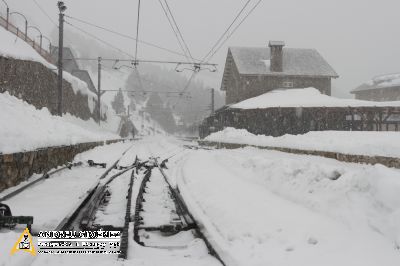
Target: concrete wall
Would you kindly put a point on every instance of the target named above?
(37, 85)
(18, 167)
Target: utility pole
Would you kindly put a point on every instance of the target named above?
(212, 101)
(99, 87)
(61, 8)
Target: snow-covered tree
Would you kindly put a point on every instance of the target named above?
(118, 103)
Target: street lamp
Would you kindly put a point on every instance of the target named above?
(40, 35)
(8, 12)
(61, 7)
(26, 23)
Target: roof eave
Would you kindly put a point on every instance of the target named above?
(373, 89)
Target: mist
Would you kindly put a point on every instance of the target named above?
(356, 37)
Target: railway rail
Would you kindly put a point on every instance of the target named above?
(10, 221)
(181, 220)
(148, 192)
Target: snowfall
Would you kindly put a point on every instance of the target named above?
(27, 128)
(256, 207)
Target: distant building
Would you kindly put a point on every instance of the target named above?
(71, 66)
(381, 88)
(250, 72)
(298, 111)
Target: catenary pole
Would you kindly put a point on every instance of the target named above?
(99, 88)
(61, 8)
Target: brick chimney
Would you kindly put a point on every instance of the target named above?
(276, 48)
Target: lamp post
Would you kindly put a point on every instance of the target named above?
(40, 36)
(26, 23)
(8, 13)
(61, 7)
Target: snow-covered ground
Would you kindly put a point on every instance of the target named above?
(257, 207)
(271, 208)
(51, 200)
(371, 143)
(27, 128)
(194, 254)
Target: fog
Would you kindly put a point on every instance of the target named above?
(358, 38)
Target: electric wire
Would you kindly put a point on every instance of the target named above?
(45, 13)
(227, 30)
(126, 36)
(137, 31)
(234, 30)
(100, 40)
(179, 31)
(174, 30)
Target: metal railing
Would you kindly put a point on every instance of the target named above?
(44, 52)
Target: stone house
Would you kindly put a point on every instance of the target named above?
(252, 71)
(381, 89)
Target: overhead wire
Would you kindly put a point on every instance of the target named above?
(185, 88)
(125, 36)
(98, 39)
(179, 31)
(137, 31)
(174, 30)
(45, 13)
(234, 30)
(227, 30)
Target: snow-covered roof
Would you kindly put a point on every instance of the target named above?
(296, 62)
(308, 97)
(380, 82)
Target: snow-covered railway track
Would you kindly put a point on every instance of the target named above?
(81, 216)
(162, 219)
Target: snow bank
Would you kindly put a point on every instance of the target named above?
(370, 143)
(308, 97)
(26, 128)
(272, 208)
(14, 47)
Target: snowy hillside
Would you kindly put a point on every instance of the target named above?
(114, 80)
(14, 47)
(27, 128)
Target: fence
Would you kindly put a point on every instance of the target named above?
(15, 30)
(300, 120)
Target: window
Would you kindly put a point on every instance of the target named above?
(287, 84)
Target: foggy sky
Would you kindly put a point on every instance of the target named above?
(359, 38)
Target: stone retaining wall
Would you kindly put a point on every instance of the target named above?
(18, 167)
(350, 158)
(37, 85)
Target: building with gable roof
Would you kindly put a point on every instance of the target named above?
(380, 88)
(252, 71)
